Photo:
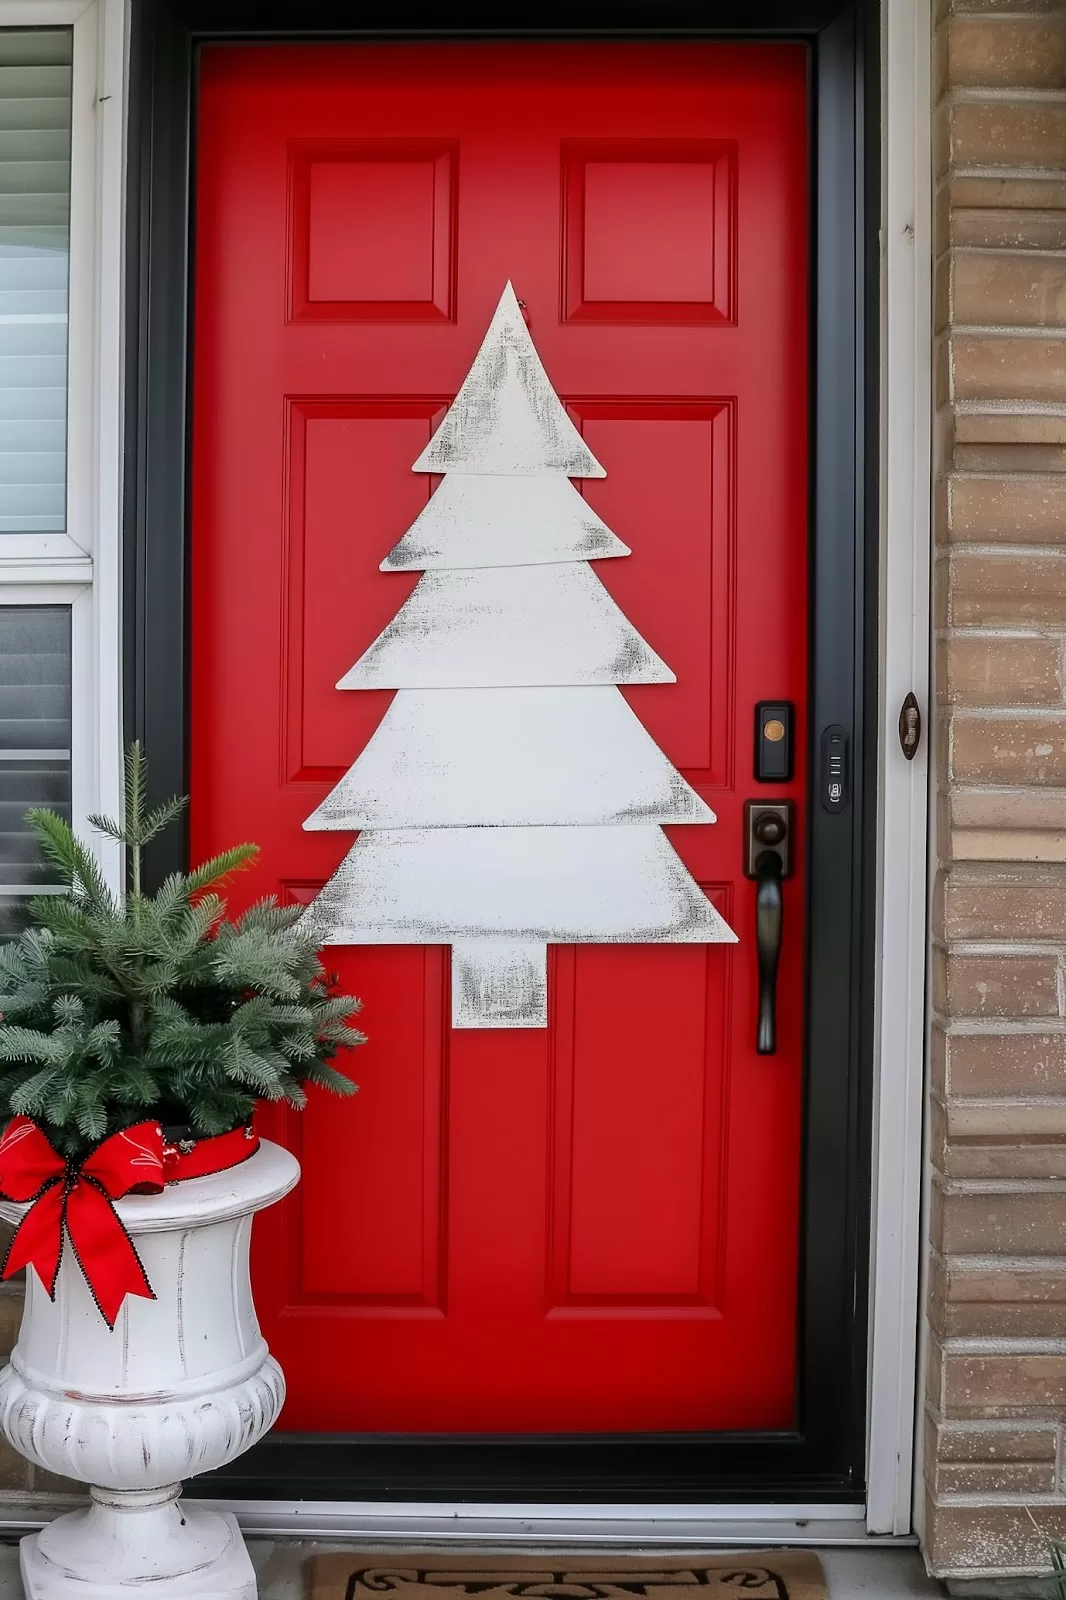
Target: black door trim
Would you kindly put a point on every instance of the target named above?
(823, 1460)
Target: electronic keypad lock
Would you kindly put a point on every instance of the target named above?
(768, 830)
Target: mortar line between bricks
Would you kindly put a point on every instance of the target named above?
(977, 94)
(1002, 1028)
(1002, 1345)
(997, 1103)
(1005, 1263)
(1008, 948)
(996, 547)
(1009, 714)
(997, 1425)
(980, 475)
(1024, 252)
(1007, 175)
(966, 630)
(992, 791)
(977, 1186)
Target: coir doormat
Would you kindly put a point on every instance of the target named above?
(752, 1575)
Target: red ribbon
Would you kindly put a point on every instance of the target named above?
(78, 1201)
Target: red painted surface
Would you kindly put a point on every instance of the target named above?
(592, 1227)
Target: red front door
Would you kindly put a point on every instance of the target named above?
(593, 1226)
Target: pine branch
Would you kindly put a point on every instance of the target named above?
(111, 1008)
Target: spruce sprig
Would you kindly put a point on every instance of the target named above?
(115, 1008)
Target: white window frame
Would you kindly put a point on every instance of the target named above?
(81, 567)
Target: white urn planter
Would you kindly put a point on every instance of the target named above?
(183, 1384)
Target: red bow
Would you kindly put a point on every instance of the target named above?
(78, 1201)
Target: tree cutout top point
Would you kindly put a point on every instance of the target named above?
(507, 418)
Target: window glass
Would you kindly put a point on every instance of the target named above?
(34, 744)
(35, 102)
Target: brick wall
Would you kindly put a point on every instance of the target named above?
(996, 1379)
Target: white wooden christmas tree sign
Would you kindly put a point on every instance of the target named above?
(509, 798)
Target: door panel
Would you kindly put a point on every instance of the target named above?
(592, 1227)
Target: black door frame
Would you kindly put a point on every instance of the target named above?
(823, 1458)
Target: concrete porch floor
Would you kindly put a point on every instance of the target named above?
(852, 1574)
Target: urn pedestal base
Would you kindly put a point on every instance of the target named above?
(138, 1543)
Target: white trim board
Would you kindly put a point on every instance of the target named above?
(906, 382)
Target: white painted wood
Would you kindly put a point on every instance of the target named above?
(451, 758)
(507, 417)
(182, 1385)
(906, 350)
(492, 522)
(503, 626)
(562, 885)
(499, 985)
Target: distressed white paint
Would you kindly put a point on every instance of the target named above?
(507, 417)
(582, 885)
(184, 1384)
(509, 798)
(499, 985)
(451, 758)
(502, 626)
(493, 522)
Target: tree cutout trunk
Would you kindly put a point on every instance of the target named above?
(509, 798)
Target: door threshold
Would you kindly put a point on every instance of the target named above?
(559, 1527)
(555, 1527)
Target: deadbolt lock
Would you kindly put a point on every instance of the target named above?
(768, 827)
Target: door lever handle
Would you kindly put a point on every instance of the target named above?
(768, 826)
(768, 923)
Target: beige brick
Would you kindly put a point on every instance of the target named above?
(1006, 52)
(1005, 590)
(987, 423)
(1022, 904)
(1022, 510)
(1008, 133)
(996, 1303)
(988, 1445)
(1005, 1139)
(991, 670)
(1002, 986)
(993, 1540)
(1003, 367)
(1005, 229)
(996, 1477)
(1008, 458)
(1003, 1385)
(938, 1060)
(1042, 810)
(1000, 290)
(1002, 845)
(998, 750)
(1011, 1065)
(999, 1223)
(1037, 191)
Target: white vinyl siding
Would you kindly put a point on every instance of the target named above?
(35, 136)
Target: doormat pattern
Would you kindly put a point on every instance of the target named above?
(428, 1575)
